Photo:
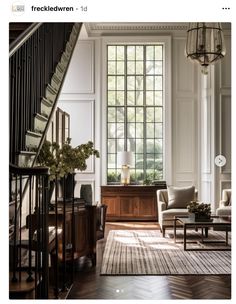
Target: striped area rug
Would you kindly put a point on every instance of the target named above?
(146, 252)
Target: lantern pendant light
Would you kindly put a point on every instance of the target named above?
(205, 43)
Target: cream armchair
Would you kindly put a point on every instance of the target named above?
(225, 204)
(175, 205)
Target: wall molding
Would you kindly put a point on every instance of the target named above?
(222, 101)
(91, 103)
(83, 58)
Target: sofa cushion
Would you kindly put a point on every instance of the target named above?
(171, 213)
(224, 211)
(180, 197)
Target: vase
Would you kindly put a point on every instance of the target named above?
(86, 194)
(68, 186)
(202, 217)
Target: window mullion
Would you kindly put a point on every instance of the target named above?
(144, 115)
(125, 100)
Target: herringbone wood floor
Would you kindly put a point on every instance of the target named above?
(90, 285)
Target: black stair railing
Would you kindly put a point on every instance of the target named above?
(31, 67)
(29, 241)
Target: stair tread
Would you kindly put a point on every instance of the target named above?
(47, 102)
(41, 117)
(26, 153)
(52, 88)
(35, 134)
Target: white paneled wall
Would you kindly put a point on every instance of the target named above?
(184, 114)
(81, 100)
(207, 138)
(215, 129)
(223, 119)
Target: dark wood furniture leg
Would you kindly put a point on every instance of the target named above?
(185, 237)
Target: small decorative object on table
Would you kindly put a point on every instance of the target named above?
(201, 211)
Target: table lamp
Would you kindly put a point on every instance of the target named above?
(125, 161)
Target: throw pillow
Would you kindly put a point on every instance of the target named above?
(179, 197)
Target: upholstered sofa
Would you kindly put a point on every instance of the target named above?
(225, 204)
(172, 202)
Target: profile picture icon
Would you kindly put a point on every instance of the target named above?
(18, 8)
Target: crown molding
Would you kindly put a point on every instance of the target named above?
(119, 28)
(138, 28)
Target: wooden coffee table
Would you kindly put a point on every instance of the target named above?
(215, 221)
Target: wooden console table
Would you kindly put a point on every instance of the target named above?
(132, 202)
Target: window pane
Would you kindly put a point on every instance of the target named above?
(139, 98)
(150, 67)
(111, 130)
(139, 161)
(139, 130)
(158, 52)
(111, 97)
(120, 130)
(139, 145)
(158, 83)
(120, 114)
(131, 83)
(139, 114)
(149, 98)
(120, 67)
(120, 52)
(120, 98)
(111, 67)
(139, 67)
(130, 114)
(150, 52)
(150, 161)
(158, 98)
(150, 130)
(139, 52)
(150, 114)
(158, 67)
(150, 146)
(120, 83)
(131, 144)
(111, 146)
(120, 145)
(131, 52)
(131, 67)
(131, 130)
(150, 83)
(139, 82)
(131, 98)
(158, 130)
(111, 115)
(111, 82)
(158, 148)
(158, 114)
(111, 52)
(111, 160)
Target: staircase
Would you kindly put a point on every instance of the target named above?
(34, 137)
(39, 60)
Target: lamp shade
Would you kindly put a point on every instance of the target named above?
(125, 158)
(205, 43)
